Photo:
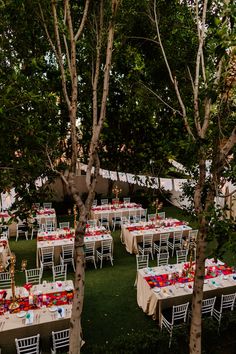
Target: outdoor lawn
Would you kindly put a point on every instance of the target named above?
(112, 321)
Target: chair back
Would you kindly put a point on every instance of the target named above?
(162, 258)
(5, 280)
(33, 276)
(59, 272)
(68, 251)
(208, 305)
(177, 237)
(142, 261)
(95, 203)
(126, 200)
(192, 235)
(147, 241)
(47, 254)
(64, 225)
(182, 255)
(143, 214)
(49, 226)
(161, 215)
(179, 312)
(164, 238)
(89, 249)
(47, 205)
(227, 302)
(92, 223)
(106, 246)
(104, 201)
(28, 345)
(60, 339)
(152, 217)
(132, 215)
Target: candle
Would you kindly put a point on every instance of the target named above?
(44, 298)
(169, 276)
(31, 300)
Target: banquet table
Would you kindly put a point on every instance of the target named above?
(40, 317)
(42, 215)
(125, 209)
(56, 239)
(131, 234)
(97, 234)
(157, 288)
(4, 252)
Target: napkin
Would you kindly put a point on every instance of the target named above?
(60, 313)
(29, 318)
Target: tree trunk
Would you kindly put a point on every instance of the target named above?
(195, 331)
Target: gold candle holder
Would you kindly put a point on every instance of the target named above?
(116, 191)
(14, 305)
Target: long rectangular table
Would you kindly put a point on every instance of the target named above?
(56, 239)
(125, 209)
(61, 237)
(154, 296)
(131, 234)
(43, 319)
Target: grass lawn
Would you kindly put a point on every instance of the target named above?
(110, 309)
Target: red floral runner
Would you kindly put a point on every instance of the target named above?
(115, 207)
(173, 278)
(153, 226)
(51, 299)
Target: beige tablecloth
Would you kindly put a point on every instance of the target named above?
(44, 322)
(152, 303)
(132, 238)
(131, 209)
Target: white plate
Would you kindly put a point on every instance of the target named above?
(156, 290)
(68, 288)
(21, 314)
(182, 285)
(206, 281)
(225, 277)
(52, 309)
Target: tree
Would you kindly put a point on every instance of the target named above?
(210, 123)
(64, 42)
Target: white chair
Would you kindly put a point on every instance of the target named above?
(192, 238)
(92, 222)
(179, 314)
(104, 220)
(89, 252)
(47, 257)
(126, 200)
(161, 215)
(104, 201)
(67, 255)
(132, 216)
(227, 303)
(152, 217)
(146, 247)
(116, 220)
(60, 340)
(4, 231)
(59, 272)
(181, 255)
(64, 225)
(22, 229)
(95, 203)
(33, 276)
(28, 345)
(5, 280)
(208, 306)
(162, 244)
(142, 261)
(162, 258)
(49, 226)
(143, 215)
(105, 252)
(115, 201)
(47, 205)
(177, 241)
(34, 229)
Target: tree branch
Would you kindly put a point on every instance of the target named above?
(84, 18)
